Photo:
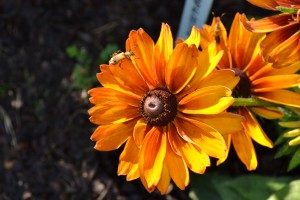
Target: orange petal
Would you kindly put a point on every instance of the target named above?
(268, 83)
(194, 38)
(267, 4)
(208, 100)
(284, 97)
(152, 155)
(202, 135)
(253, 129)
(111, 137)
(269, 24)
(142, 46)
(244, 149)
(130, 152)
(129, 169)
(224, 77)
(195, 158)
(105, 95)
(177, 168)
(227, 139)
(112, 112)
(183, 64)
(268, 112)
(162, 52)
(139, 132)
(164, 181)
(127, 76)
(220, 121)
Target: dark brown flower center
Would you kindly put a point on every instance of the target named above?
(158, 107)
(243, 88)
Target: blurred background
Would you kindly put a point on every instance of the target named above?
(50, 51)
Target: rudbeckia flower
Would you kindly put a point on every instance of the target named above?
(167, 106)
(282, 45)
(258, 79)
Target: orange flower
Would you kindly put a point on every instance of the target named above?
(282, 46)
(257, 79)
(167, 105)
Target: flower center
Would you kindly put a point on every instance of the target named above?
(243, 88)
(158, 107)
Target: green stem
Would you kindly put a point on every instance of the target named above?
(252, 102)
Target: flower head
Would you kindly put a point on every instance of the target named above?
(167, 105)
(282, 46)
(257, 79)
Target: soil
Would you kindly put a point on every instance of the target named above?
(46, 152)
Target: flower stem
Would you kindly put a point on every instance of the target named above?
(252, 102)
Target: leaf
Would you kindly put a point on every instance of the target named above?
(72, 51)
(107, 52)
(286, 10)
(289, 192)
(286, 149)
(295, 160)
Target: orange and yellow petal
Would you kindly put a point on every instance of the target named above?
(112, 112)
(177, 168)
(268, 112)
(152, 155)
(207, 100)
(194, 38)
(244, 148)
(269, 24)
(142, 46)
(220, 121)
(253, 129)
(227, 139)
(162, 52)
(283, 97)
(139, 132)
(111, 137)
(267, 4)
(130, 152)
(195, 158)
(164, 181)
(183, 64)
(202, 135)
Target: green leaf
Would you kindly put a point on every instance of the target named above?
(286, 149)
(72, 51)
(289, 192)
(286, 10)
(295, 160)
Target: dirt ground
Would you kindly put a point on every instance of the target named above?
(45, 147)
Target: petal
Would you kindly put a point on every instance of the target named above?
(244, 149)
(195, 158)
(111, 137)
(105, 95)
(194, 37)
(142, 46)
(130, 152)
(152, 155)
(129, 169)
(208, 100)
(127, 76)
(183, 64)
(177, 168)
(227, 139)
(164, 181)
(267, 4)
(162, 52)
(284, 97)
(223, 77)
(253, 129)
(268, 83)
(139, 132)
(269, 24)
(268, 112)
(112, 112)
(202, 135)
(220, 121)
(238, 39)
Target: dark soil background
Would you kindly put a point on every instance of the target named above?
(45, 152)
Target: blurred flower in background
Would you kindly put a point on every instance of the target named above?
(257, 79)
(167, 105)
(282, 46)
